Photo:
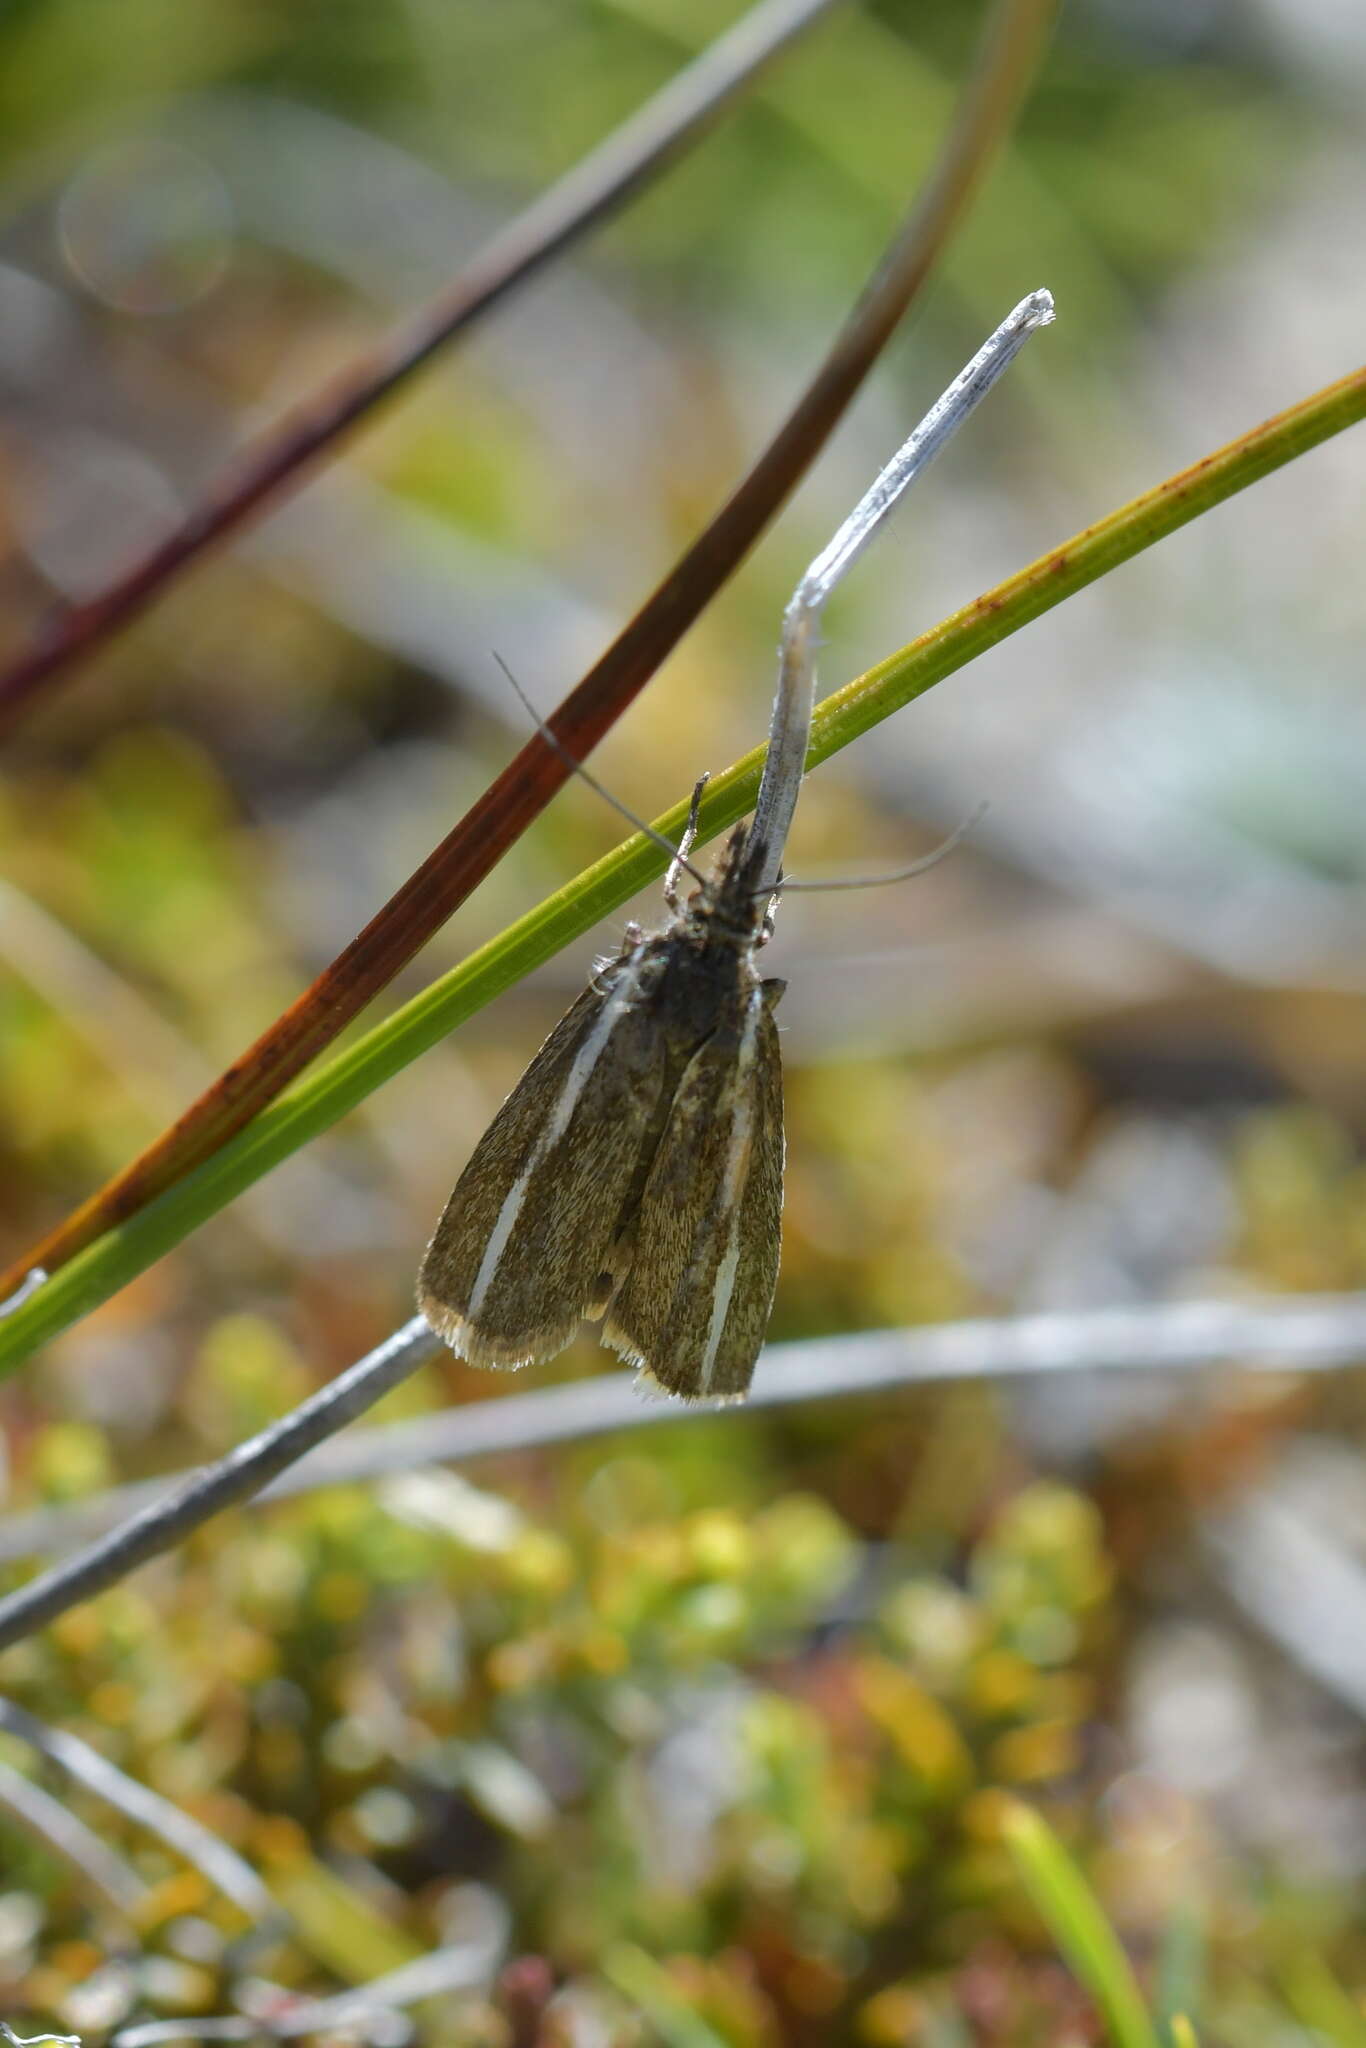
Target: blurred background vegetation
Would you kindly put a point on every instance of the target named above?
(709, 1730)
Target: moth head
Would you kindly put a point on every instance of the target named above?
(729, 900)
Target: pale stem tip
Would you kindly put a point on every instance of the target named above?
(25, 1291)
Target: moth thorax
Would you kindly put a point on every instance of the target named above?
(718, 917)
(729, 906)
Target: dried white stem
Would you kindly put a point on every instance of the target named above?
(212, 1857)
(790, 729)
(1302, 1333)
(69, 1838)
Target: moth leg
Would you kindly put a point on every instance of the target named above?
(686, 844)
(769, 925)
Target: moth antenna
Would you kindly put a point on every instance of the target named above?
(677, 854)
(917, 867)
(790, 728)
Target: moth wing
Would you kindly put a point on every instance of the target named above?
(520, 1246)
(694, 1304)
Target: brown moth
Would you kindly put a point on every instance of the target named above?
(635, 1173)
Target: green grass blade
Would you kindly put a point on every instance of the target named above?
(1079, 1927)
(1181, 1970)
(323, 1096)
(1316, 1998)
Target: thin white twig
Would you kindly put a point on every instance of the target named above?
(790, 729)
(1299, 1585)
(1297, 1332)
(461, 1966)
(237, 1477)
(231, 2027)
(179, 1831)
(72, 1840)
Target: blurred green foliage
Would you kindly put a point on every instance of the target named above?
(745, 1735)
(755, 1738)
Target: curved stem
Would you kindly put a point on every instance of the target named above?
(1306, 1332)
(790, 731)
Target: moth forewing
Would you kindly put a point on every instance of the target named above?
(519, 1252)
(695, 1301)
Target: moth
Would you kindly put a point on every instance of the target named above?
(635, 1173)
